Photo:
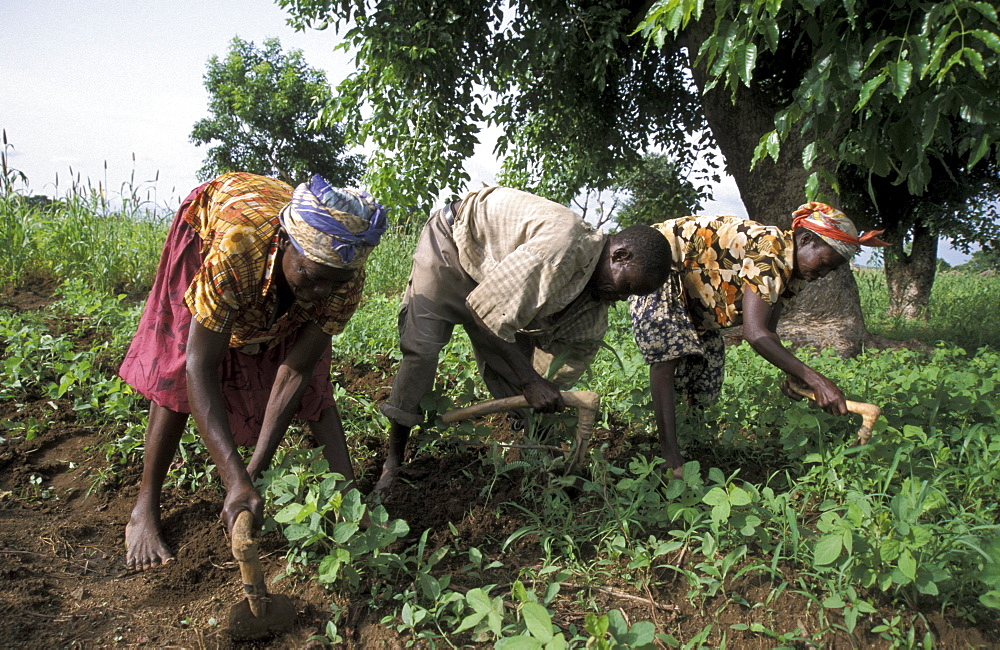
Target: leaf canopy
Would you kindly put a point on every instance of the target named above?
(575, 95)
(889, 86)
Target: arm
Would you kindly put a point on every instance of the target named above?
(205, 351)
(542, 395)
(759, 329)
(290, 384)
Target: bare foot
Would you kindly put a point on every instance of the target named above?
(385, 481)
(144, 545)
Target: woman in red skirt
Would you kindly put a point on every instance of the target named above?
(253, 281)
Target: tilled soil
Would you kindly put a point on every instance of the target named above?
(65, 583)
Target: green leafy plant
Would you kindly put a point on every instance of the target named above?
(326, 526)
(262, 103)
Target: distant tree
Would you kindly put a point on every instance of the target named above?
(262, 103)
(656, 189)
(986, 258)
(959, 203)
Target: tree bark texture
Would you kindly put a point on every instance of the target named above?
(828, 312)
(910, 277)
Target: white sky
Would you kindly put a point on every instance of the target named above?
(86, 85)
(89, 82)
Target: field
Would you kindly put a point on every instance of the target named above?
(782, 533)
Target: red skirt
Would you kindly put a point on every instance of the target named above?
(155, 364)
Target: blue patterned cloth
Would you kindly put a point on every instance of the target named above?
(320, 216)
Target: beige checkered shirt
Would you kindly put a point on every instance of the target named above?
(532, 259)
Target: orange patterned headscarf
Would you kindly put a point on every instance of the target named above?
(835, 228)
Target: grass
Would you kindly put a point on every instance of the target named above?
(868, 537)
(112, 246)
(962, 310)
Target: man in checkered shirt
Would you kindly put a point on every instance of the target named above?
(530, 281)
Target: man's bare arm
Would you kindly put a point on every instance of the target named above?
(542, 395)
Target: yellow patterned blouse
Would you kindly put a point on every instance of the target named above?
(715, 256)
(236, 217)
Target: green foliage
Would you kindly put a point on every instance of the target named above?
(35, 359)
(779, 495)
(262, 103)
(9, 176)
(885, 86)
(391, 261)
(889, 105)
(15, 239)
(112, 244)
(657, 190)
(613, 631)
(324, 524)
(986, 258)
(575, 95)
(953, 293)
(40, 363)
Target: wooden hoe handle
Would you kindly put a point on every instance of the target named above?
(244, 548)
(868, 412)
(585, 402)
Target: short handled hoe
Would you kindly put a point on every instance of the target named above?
(868, 412)
(260, 615)
(585, 402)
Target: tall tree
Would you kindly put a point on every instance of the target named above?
(902, 91)
(790, 89)
(262, 103)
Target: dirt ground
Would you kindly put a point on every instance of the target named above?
(65, 583)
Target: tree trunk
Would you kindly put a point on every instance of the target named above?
(828, 312)
(911, 276)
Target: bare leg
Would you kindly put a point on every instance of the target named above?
(145, 547)
(398, 435)
(661, 383)
(329, 432)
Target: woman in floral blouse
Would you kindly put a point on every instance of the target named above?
(730, 271)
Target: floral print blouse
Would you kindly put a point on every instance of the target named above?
(716, 256)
